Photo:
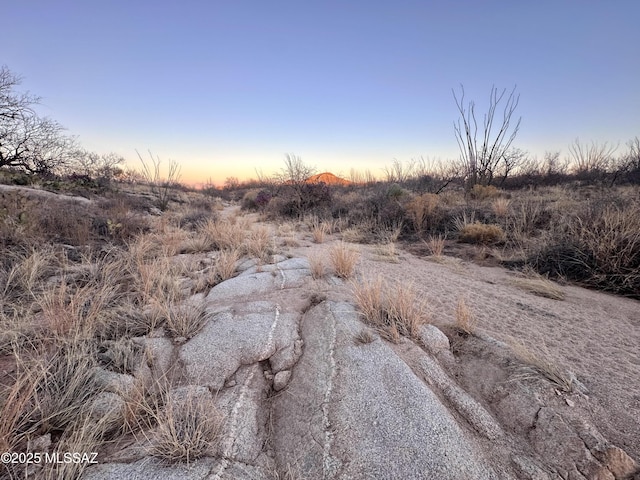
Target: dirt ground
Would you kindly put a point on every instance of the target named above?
(592, 335)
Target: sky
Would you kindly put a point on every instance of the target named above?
(228, 87)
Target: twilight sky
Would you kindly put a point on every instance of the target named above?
(224, 87)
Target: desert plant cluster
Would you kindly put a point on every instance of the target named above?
(80, 282)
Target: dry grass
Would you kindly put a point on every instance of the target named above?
(500, 207)
(188, 427)
(224, 234)
(387, 252)
(364, 337)
(465, 320)
(482, 233)
(344, 259)
(316, 264)
(540, 285)
(226, 263)
(259, 243)
(319, 231)
(422, 211)
(435, 245)
(534, 365)
(183, 320)
(393, 310)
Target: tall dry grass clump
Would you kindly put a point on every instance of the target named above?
(422, 210)
(482, 233)
(316, 265)
(394, 310)
(435, 245)
(500, 207)
(188, 427)
(224, 234)
(465, 320)
(344, 259)
(259, 243)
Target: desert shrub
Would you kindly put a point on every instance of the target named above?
(249, 200)
(70, 224)
(395, 191)
(423, 212)
(262, 199)
(483, 192)
(297, 200)
(115, 220)
(481, 233)
(599, 246)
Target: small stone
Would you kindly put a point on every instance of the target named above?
(571, 403)
(281, 380)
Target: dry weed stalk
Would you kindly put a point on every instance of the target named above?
(465, 320)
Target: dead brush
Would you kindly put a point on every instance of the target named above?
(224, 234)
(532, 365)
(500, 207)
(465, 320)
(182, 320)
(533, 282)
(435, 245)
(66, 384)
(316, 265)
(422, 210)
(343, 259)
(393, 310)
(482, 233)
(259, 243)
(188, 427)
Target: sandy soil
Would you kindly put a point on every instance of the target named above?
(591, 334)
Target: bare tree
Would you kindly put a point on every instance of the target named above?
(510, 162)
(94, 165)
(399, 172)
(27, 141)
(481, 157)
(293, 177)
(13, 105)
(594, 158)
(160, 187)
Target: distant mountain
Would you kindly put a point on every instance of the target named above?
(328, 178)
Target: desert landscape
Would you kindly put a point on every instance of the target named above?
(319, 330)
(319, 240)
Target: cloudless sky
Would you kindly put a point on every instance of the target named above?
(225, 87)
